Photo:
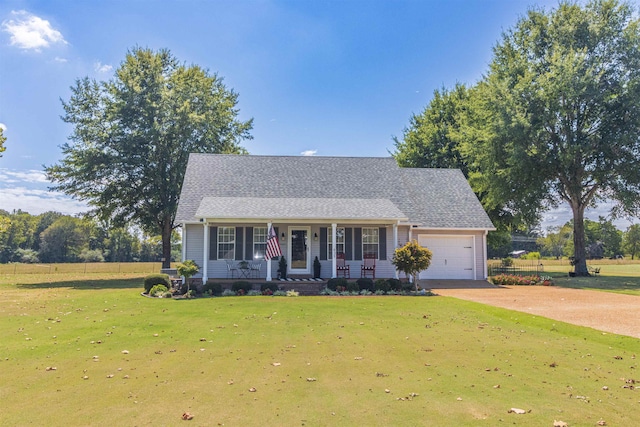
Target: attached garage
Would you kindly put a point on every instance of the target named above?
(453, 257)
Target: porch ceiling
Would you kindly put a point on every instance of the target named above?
(287, 209)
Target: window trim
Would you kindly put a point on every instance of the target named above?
(221, 233)
(255, 242)
(338, 243)
(365, 232)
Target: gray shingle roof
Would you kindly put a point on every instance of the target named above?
(357, 187)
(306, 209)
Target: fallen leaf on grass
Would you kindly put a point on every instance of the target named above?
(125, 351)
(276, 363)
(187, 416)
(559, 424)
(252, 390)
(311, 380)
(516, 411)
(601, 423)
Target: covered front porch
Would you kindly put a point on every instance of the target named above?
(229, 241)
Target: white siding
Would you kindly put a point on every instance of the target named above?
(195, 233)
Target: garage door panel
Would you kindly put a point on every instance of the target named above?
(453, 257)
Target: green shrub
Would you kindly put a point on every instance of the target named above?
(167, 295)
(156, 279)
(395, 284)
(241, 287)
(365, 283)
(407, 287)
(382, 285)
(531, 255)
(213, 288)
(514, 279)
(507, 262)
(353, 287)
(157, 290)
(269, 287)
(336, 282)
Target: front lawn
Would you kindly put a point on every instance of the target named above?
(92, 351)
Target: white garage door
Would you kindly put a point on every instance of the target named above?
(453, 257)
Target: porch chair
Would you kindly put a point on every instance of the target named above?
(342, 266)
(368, 266)
(255, 269)
(232, 269)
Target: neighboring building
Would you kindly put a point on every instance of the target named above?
(321, 206)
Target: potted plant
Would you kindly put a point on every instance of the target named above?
(316, 268)
(282, 268)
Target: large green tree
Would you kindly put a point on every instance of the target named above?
(2, 140)
(563, 93)
(132, 136)
(632, 240)
(64, 240)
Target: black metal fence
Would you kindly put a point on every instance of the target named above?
(520, 268)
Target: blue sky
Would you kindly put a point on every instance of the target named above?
(318, 77)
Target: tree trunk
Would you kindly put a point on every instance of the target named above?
(579, 252)
(166, 243)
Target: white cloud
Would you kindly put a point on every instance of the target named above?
(62, 60)
(3, 127)
(29, 176)
(38, 201)
(309, 153)
(31, 32)
(102, 68)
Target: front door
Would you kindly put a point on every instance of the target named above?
(299, 250)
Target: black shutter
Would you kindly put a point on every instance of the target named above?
(382, 243)
(323, 243)
(248, 246)
(357, 237)
(239, 252)
(348, 243)
(213, 243)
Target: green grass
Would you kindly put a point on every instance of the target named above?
(203, 356)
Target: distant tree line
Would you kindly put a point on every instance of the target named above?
(602, 240)
(53, 237)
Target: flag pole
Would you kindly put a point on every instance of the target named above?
(268, 260)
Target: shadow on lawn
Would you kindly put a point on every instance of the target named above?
(86, 284)
(606, 283)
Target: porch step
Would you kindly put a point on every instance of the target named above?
(303, 287)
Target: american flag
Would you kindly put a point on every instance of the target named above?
(273, 245)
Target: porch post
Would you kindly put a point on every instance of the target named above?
(205, 254)
(395, 244)
(184, 242)
(410, 238)
(334, 262)
(484, 251)
(268, 279)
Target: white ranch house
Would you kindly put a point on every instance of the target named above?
(365, 205)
